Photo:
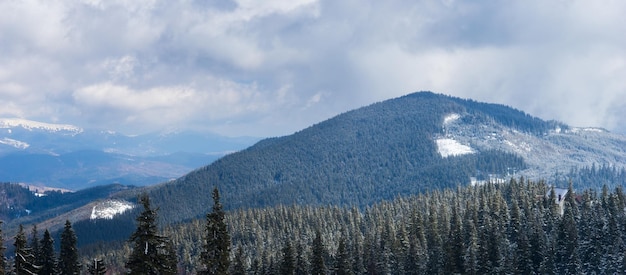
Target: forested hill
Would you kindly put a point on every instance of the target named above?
(356, 158)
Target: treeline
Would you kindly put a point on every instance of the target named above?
(37, 256)
(519, 227)
(596, 176)
(147, 251)
(19, 205)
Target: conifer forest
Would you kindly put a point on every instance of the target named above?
(519, 227)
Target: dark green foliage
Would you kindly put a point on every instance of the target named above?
(68, 256)
(3, 262)
(97, 267)
(24, 258)
(288, 263)
(357, 158)
(498, 228)
(35, 246)
(47, 257)
(318, 262)
(239, 265)
(17, 199)
(151, 252)
(216, 249)
(343, 264)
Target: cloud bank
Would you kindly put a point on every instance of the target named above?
(267, 68)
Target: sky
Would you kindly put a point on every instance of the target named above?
(270, 68)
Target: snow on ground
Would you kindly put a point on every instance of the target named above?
(450, 118)
(29, 125)
(450, 147)
(518, 147)
(108, 209)
(587, 129)
(15, 143)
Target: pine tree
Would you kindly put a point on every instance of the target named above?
(48, 261)
(318, 264)
(343, 266)
(152, 253)
(288, 263)
(216, 249)
(3, 261)
(34, 245)
(302, 261)
(68, 256)
(239, 267)
(567, 243)
(97, 267)
(24, 258)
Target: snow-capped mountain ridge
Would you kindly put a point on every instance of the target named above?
(14, 143)
(8, 123)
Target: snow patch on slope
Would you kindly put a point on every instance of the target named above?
(15, 143)
(449, 147)
(109, 208)
(450, 118)
(30, 125)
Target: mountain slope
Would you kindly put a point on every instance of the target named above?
(403, 146)
(357, 158)
(69, 157)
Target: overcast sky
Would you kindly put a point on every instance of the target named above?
(269, 68)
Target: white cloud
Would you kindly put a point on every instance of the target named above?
(274, 67)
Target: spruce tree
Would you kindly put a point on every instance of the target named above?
(68, 256)
(34, 245)
(318, 264)
(288, 263)
(3, 261)
(343, 265)
(24, 258)
(302, 261)
(239, 267)
(152, 253)
(216, 248)
(97, 267)
(48, 261)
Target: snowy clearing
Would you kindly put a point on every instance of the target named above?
(450, 147)
(108, 209)
(450, 118)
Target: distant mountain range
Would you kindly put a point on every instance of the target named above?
(70, 157)
(399, 147)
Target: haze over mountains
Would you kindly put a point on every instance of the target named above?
(70, 157)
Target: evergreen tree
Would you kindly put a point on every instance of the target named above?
(343, 266)
(302, 261)
(68, 256)
(318, 264)
(288, 263)
(3, 261)
(48, 261)
(454, 244)
(24, 258)
(567, 260)
(97, 267)
(34, 245)
(151, 252)
(216, 249)
(239, 267)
